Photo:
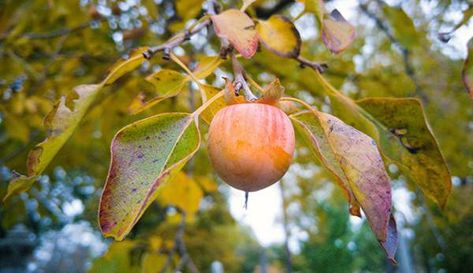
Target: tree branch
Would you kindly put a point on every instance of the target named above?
(321, 67)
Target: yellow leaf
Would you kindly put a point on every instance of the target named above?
(316, 7)
(238, 29)
(279, 35)
(167, 83)
(152, 261)
(155, 242)
(124, 66)
(188, 9)
(182, 192)
(207, 66)
(210, 91)
(209, 185)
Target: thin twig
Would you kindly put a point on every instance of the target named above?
(321, 67)
(182, 37)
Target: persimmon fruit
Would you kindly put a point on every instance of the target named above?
(251, 145)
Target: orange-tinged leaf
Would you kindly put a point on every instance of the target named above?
(124, 66)
(337, 33)
(145, 155)
(467, 71)
(279, 35)
(238, 29)
(231, 96)
(272, 93)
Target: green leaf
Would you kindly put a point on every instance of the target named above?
(145, 154)
(402, 26)
(18, 185)
(238, 29)
(279, 35)
(60, 124)
(124, 66)
(467, 71)
(407, 139)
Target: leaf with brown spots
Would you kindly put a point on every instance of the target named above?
(409, 142)
(145, 155)
(238, 29)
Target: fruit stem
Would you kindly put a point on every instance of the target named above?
(240, 80)
(247, 195)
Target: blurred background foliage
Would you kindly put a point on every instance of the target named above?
(47, 47)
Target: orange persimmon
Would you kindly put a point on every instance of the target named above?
(251, 145)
